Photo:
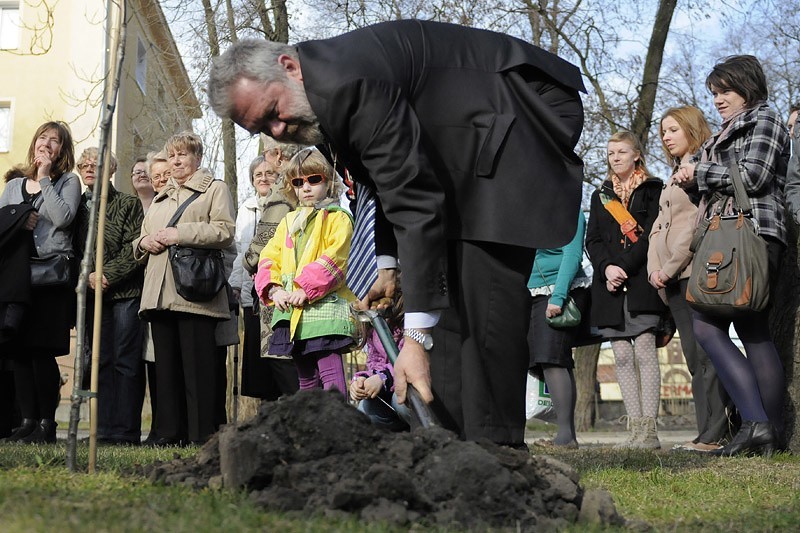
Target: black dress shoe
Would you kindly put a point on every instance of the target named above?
(43, 433)
(752, 438)
(27, 427)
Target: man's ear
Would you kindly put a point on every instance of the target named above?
(291, 66)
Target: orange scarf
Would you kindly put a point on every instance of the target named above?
(624, 190)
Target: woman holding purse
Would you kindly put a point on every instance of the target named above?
(183, 330)
(47, 183)
(557, 281)
(752, 137)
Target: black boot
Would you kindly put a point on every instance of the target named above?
(752, 438)
(27, 427)
(44, 433)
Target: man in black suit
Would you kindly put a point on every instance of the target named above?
(467, 136)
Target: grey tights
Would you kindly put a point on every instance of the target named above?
(561, 384)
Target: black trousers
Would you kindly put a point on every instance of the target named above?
(479, 362)
(186, 374)
(267, 378)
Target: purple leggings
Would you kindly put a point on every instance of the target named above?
(320, 368)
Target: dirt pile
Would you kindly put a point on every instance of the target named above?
(313, 453)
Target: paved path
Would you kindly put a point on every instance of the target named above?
(668, 438)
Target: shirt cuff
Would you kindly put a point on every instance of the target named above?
(386, 261)
(422, 320)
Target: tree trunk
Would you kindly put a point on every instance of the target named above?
(586, 381)
(652, 68)
(785, 329)
(228, 131)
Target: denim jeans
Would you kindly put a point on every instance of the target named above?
(121, 380)
(394, 418)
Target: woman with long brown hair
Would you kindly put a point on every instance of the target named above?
(46, 183)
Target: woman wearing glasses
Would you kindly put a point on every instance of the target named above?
(267, 378)
(183, 331)
(45, 183)
(302, 273)
(142, 186)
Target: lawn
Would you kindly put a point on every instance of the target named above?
(669, 491)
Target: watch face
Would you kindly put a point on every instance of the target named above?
(427, 341)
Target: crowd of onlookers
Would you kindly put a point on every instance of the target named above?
(286, 253)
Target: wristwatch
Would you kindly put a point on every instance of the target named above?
(425, 339)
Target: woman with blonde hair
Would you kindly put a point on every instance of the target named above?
(263, 376)
(625, 307)
(669, 263)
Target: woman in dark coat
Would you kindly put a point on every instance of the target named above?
(46, 183)
(625, 307)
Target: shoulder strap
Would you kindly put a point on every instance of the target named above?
(742, 200)
(181, 209)
(627, 224)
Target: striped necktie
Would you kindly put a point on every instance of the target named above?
(362, 270)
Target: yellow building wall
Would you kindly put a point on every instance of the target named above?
(58, 74)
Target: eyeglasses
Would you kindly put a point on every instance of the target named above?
(266, 176)
(139, 173)
(313, 179)
(87, 166)
(164, 176)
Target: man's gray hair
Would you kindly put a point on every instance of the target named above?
(256, 59)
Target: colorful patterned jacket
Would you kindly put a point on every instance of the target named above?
(314, 258)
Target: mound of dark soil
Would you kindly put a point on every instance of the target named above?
(314, 454)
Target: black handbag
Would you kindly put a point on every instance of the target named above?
(53, 270)
(730, 272)
(199, 273)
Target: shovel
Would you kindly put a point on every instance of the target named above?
(421, 410)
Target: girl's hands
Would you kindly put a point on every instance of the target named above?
(373, 386)
(615, 277)
(658, 279)
(284, 300)
(362, 388)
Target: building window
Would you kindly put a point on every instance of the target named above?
(9, 25)
(5, 126)
(141, 65)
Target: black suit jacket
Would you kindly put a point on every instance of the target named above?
(464, 133)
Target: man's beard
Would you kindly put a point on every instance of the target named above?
(304, 127)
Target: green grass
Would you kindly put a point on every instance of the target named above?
(689, 492)
(671, 492)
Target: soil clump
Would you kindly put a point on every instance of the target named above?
(312, 453)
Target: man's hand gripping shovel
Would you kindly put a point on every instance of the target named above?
(421, 410)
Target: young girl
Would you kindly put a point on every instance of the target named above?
(301, 271)
(374, 387)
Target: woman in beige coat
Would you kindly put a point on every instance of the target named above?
(669, 263)
(183, 331)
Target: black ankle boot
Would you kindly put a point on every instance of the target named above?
(752, 438)
(44, 433)
(27, 427)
